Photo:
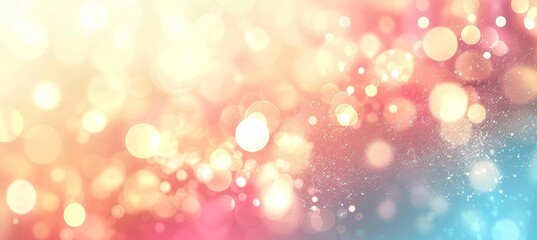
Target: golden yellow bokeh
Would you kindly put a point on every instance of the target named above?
(277, 197)
(221, 159)
(371, 90)
(520, 6)
(448, 102)
(476, 113)
(470, 34)
(74, 214)
(346, 115)
(143, 140)
(93, 121)
(440, 44)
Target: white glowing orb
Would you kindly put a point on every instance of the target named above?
(21, 196)
(252, 134)
(143, 140)
(74, 214)
(448, 102)
(46, 95)
(484, 176)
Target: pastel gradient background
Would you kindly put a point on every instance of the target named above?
(268, 119)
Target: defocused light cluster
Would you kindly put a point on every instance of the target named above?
(235, 119)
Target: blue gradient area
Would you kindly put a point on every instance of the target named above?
(506, 213)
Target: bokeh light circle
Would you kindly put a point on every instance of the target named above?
(143, 140)
(448, 102)
(21, 196)
(440, 44)
(252, 134)
(484, 176)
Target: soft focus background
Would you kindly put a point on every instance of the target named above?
(268, 119)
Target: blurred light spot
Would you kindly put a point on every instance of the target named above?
(484, 176)
(220, 181)
(476, 113)
(423, 22)
(46, 95)
(21, 196)
(143, 140)
(344, 21)
(499, 48)
(220, 159)
(440, 43)
(204, 173)
(277, 197)
(379, 153)
(501, 21)
(252, 134)
(448, 102)
(74, 214)
(346, 115)
(93, 121)
(58, 174)
(520, 6)
(371, 90)
(470, 34)
(117, 211)
(471, 17)
(165, 186)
